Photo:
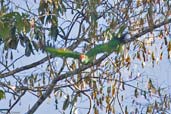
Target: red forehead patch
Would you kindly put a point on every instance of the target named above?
(82, 56)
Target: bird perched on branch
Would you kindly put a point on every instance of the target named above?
(114, 45)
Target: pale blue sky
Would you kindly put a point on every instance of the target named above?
(160, 74)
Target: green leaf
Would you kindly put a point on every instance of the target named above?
(35, 45)
(2, 94)
(27, 51)
(19, 22)
(9, 15)
(121, 30)
(74, 100)
(78, 4)
(48, 19)
(13, 43)
(66, 103)
(26, 26)
(4, 30)
(54, 32)
(109, 89)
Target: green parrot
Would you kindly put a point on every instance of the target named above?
(114, 45)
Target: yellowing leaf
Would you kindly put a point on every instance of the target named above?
(39, 92)
(96, 110)
(141, 21)
(161, 55)
(108, 99)
(153, 56)
(149, 109)
(153, 90)
(138, 56)
(113, 90)
(50, 1)
(94, 94)
(128, 59)
(169, 47)
(138, 2)
(151, 87)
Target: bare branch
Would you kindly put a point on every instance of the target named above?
(23, 93)
(24, 68)
(147, 30)
(68, 74)
(59, 78)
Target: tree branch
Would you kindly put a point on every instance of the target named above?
(149, 29)
(24, 67)
(61, 77)
(15, 102)
(84, 67)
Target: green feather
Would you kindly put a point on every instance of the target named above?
(114, 45)
(97, 49)
(63, 52)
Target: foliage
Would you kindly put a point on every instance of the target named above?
(2, 94)
(112, 83)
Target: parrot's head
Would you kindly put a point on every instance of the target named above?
(84, 58)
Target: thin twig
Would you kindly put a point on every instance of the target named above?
(24, 68)
(59, 78)
(15, 102)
